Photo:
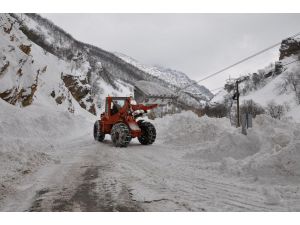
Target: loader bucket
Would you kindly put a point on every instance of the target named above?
(146, 92)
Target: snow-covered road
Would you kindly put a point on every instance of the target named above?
(180, 172)
(93, 176)
(81, 180)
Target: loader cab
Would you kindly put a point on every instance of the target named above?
(114, 104)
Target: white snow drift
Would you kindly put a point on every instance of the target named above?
(28, 137)
(193, 158)
(271, 148)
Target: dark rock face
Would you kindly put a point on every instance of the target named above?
(4, 68)
(22, 95)
(289, 47)
(81, 91)
(278, 68)
(25, 48)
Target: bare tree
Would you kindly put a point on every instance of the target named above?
(256, 78)
(249, 106)
(275, 110)
(293, 81)
(219, 110)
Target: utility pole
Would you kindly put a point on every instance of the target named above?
(236, 97)
(238, 103)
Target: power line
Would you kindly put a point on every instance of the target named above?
(239, 62)
(215, 89)
(291, 62)
(288, 63)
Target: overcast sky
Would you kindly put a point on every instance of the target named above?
(196, 44)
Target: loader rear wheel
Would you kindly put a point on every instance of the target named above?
(98, 135)
(120, 135)
(148, 133)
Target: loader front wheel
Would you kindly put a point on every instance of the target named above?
(120, 135)
(98, 135)
(148, 135)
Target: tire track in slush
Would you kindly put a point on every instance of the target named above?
(92, 190)
(98, 177)
(231, 196)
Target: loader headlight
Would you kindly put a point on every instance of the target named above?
(133, 102)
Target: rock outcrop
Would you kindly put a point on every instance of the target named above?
(290, 46)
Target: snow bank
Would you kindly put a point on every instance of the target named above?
(279, 154)
(271, 148)
(206, 138)
(295, 114)
(187, 128)
(29, 137)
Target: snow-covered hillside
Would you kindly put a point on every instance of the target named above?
(273, 91)
(29, 74)
(39, 57)
(278, 83)
(174, 77)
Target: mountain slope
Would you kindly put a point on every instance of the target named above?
(73, 72)
(32, 74)
(279, 83)
(174, 77)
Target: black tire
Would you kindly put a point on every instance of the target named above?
(148, 133)
(120, 135)
(98, 136)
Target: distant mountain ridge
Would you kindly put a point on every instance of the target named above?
(174, 77)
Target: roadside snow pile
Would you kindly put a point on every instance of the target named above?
(187, 128)
(206, 138)
(271, 148)
(279, 154)
(295, 113)
(29, 135)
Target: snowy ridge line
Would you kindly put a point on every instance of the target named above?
(175, 79)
